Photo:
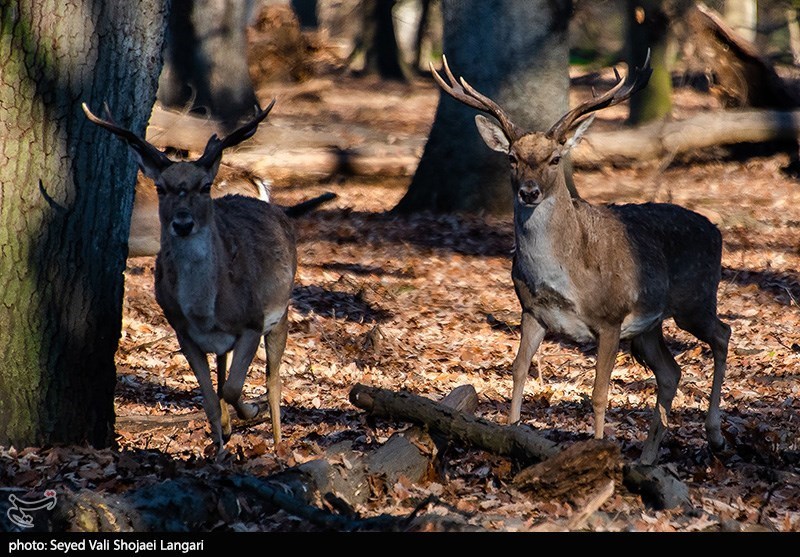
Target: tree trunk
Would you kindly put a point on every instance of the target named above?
(648, 27)
(381, 53)
(63, 242)
(206, 60)
(517, 53)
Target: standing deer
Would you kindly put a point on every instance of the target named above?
(223, 276)
(603, 273)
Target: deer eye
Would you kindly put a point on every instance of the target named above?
(555, 160)
(512, 158)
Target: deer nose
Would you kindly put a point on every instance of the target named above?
(182, 223)
(529, 194)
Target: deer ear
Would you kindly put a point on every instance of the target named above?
(212, 156)
(578, 135)
(492, 134)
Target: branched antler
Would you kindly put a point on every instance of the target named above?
(467, 94)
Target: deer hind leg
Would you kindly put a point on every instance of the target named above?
(650, 350)
(222, 369)
(275, 342)
(607, 348)
(532, 335)
(716, 334)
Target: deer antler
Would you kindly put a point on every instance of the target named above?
(215, 145)
(620, 92)
(466, 94)
(145, 149)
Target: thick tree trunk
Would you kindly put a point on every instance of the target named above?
(206, 60)
(63, 243)
(517, 53)
(648, 28)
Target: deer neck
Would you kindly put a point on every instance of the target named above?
(195, 265)
(545, 236)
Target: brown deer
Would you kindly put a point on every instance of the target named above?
(603, 273)
(224, 274)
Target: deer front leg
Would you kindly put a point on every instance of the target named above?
(532, 335)
(607, 347)
(243, 352)
(198, 361)
(222, 369)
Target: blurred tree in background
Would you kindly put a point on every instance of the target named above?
(205, 68)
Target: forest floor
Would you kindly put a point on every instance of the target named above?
(435, 291)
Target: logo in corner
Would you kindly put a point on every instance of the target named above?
(18, 513)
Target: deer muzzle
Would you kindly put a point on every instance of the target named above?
(529, 194)
(182, 224)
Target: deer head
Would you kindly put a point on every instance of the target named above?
(184, 187)
(535, 157)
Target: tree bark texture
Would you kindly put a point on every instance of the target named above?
(515, 52)
(206, 60)
(63, 243)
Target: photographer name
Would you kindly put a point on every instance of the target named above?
(132, 546)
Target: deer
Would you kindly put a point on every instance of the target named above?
(603, 273)
(224, 273)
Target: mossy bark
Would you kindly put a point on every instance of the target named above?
(63, 243)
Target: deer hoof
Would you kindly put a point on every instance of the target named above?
(222, 455)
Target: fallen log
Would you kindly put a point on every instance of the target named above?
(667, 139)
(514, 441)
(570, 472)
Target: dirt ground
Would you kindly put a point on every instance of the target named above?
(426, 303)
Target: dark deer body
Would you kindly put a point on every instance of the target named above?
(602, 274)
(224, 274)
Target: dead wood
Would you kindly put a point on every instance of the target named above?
(566, 473)
(741, 76)
(572, 473)
(341, 479)
(667, 139)
(515, 441)
(658, 486)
